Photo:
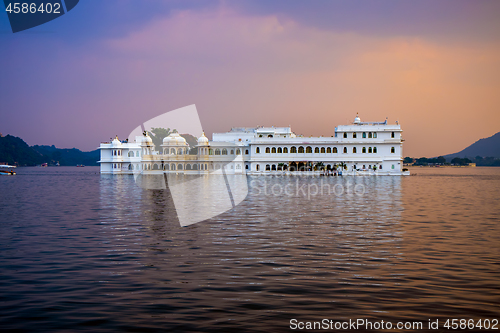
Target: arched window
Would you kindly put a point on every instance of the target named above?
(257, 167)
(322, 150)
(130, 154)
(285, 150)
(293, 150)
(246, 152)
(238, 151)
(130, 167)
(354, 135)
(167, 167)
(224, 151)
(328, 150)
(374, 150)
(369, 150)
(335, 151)
(345, 135)
(280, 150)
(375, 135)
(301, 150)
(179, 166)
(273, 167)
(268, 167)
(179, 151)
(345, 150)
(363, 150)
(136, 154)
(270, 136)
(172, 167)
(232, 152)
(364, 135)
(155, 167)
(188, 166)
(316, 150)
(369, 135)
(217, 151)
(393, 150)
(257, 150)
(392, 135)
(210, 151)
(268, 150)
(354, 150)
(273, 150)
(308, 150)
(172, 151)
(195, 166)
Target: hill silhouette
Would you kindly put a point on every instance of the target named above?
(487, 147)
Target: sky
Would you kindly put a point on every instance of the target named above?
(105, 67)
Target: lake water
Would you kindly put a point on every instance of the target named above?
(85, 252)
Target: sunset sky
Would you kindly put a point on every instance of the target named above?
(107, 66)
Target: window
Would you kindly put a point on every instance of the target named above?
(301, 150)
(369, 150)
(293, 150)
(172, 151)
(364, 166)
(268, 167)
(130, 154)
(335, 150)
(354, 150)
(374, 150)
(380, 166)
(280, 150)
(316, 150)
(232, 152)
(238, 151)
(188, 166)
(345, 150)
(345, 135)
(257, 150)
(155, 167)
(260, 136)
(273, 168)
(309, 150)
(364, 135)
(392, 135)
(172, 167)
(179, 151)
(268, 150)
(273, 150)
(322, 150)
(217, 151)
(328, 150)
(257, 167)
(270, 136)
(285, 150)
(369, 135)
(166, 167)
(210, 151)
(246, 152)
(363, 150)
(179, 167)
(354, 135)
(224, 151)
(136, 154)
(246, 167)
(375, 135)
(393, 150)
(392, 167)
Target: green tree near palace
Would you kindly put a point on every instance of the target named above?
(157, 134)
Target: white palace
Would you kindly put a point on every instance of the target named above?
(362, 148)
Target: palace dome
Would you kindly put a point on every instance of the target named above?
(203, 140)
(116, 142)
(174, 139)
(357, 120)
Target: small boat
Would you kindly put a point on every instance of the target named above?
(7, 170)
(44, 165)
(80, 165)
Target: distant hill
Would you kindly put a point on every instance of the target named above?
(14, 150)
(488, 147)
